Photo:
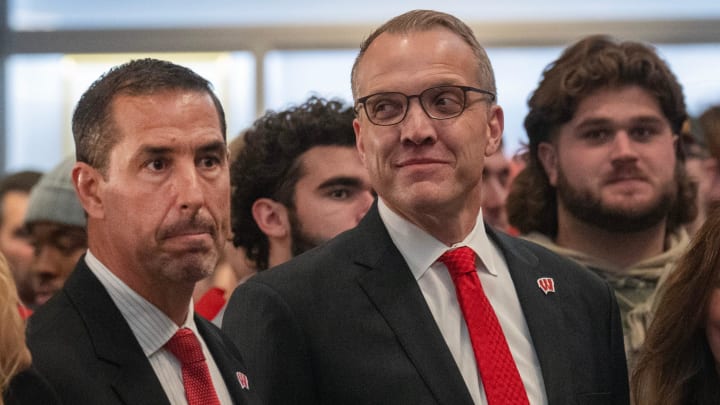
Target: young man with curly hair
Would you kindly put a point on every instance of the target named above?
(605, 181)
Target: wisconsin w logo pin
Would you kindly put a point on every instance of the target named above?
(546, 284)
(243, 380)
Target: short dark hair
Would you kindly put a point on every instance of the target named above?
(268, 165)
(21, 182)
(92, 123)
(425, 20)
(593, 63)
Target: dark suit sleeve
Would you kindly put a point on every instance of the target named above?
(69, 374)
(262, 326)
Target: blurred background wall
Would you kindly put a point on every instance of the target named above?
(268, 54)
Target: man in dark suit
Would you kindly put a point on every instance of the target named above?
(152, 176)
(387, 313)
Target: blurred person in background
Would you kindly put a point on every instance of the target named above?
(496, 186)
(709, 125)
(701, 169)
(679, 363)
(297, 182)
(605, 182)
(55, 223)
(19, 383)
(14, 192)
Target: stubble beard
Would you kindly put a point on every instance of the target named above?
(191, 267)
(301, 241)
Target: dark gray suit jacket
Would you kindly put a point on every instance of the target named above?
(346, 323)
(83, 346)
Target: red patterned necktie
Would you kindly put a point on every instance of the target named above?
(499, 374)
(199, 389)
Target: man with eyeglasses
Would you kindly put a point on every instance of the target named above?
(421, 303)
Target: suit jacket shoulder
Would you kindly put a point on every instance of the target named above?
(83, 346)
(344, 323)
(347, 323)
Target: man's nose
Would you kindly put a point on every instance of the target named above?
(188, 186)
(417, 127)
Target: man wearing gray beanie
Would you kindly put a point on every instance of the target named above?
(56, 224)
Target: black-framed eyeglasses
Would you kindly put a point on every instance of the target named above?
(439, 103)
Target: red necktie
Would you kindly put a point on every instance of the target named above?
(499, 374)
(186, 348)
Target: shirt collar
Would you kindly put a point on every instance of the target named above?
(421, 250)
(151, 327)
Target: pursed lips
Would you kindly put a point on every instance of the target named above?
(623, 177)
(420, 162)
(189, 230)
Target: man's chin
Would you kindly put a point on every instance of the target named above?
(189, 265)
(624, 219)
(43, 297)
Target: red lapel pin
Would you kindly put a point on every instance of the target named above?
(243, 380)
(546, 284)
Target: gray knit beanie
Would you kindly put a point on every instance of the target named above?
(53, 198)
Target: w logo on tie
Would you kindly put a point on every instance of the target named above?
(243, 380)
(546, 284)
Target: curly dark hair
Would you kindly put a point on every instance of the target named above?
(92, 122)
(595, 62)
(268, 166)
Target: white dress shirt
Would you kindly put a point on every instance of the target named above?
(421, 252)
(152, 328)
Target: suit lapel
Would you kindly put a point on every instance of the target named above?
(543, 314)
(393, 290)
(227, 360)
(120, 356)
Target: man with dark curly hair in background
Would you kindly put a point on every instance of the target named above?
(605, 182)
(297, 182)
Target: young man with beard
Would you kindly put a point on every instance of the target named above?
(605, 182)
(297, 182)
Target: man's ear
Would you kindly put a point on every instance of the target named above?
(271, 217)
(496, 125)
(358, 140)
(88, 183)
(548, 158)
